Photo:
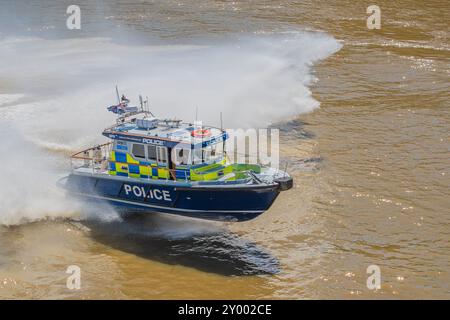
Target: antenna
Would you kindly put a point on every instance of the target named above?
(221, 132)
(141, 102)
(148, 107)
(118, 96)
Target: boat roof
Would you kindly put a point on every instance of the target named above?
(165, 132)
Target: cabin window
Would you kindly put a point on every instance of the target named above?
(198, 155)
(209, 153)
(138, 151)
(182, 156)
(218, 150)
(121, 145)
(151, 153)
(162, 154)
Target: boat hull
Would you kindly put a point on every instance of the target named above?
(238, 202)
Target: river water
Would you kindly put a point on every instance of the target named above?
(364, 126)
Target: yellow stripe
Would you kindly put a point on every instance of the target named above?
(163, 173)
(144, 170)
(131, 160)
(121, 167)
(228, 169)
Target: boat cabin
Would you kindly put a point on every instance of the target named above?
(150, 148)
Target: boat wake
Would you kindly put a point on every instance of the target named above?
(27, 187)
(51, 103)
(177, 241)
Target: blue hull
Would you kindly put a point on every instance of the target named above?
(213, 202)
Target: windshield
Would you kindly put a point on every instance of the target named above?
(207, 154)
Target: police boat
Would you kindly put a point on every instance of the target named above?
(168, 166)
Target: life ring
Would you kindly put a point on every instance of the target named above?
(200, 133)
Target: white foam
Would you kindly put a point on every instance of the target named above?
(67, 85)
(6, 99)
(28, 189)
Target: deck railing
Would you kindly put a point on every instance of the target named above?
(93, 160)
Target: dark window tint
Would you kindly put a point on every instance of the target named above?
(151, 152)
(139, 151)
(162, 154)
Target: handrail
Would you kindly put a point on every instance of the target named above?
(76, 155)
(97, 162)
(91, 159)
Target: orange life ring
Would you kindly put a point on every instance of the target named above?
(200, 133)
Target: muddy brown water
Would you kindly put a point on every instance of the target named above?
(371, 169)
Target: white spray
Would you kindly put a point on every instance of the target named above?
(53, 95)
